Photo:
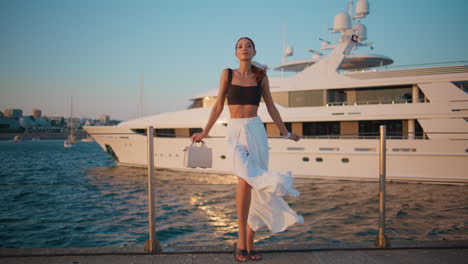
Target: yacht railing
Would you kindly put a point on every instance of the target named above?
(407, 66)
(382, 101)
(384, 68)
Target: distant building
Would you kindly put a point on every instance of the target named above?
(105, 119)
(9, 123)
(27, 122)
(42, 122)
(37, 113)
(13, 113)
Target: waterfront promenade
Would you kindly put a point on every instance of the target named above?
(426, 256)
(436, 252)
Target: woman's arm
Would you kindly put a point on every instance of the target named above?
(217, 108)
(273, 111)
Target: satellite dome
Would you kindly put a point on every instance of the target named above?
(289, 51)
(362, 8)
(341, 22)
(360, 30)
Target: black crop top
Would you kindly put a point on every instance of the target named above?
(243, 95)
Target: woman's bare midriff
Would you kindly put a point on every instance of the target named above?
(243, 111)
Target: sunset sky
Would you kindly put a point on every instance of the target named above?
(96, 50)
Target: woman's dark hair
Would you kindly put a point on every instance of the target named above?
(259, 72)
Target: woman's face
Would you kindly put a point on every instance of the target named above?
(245, 49)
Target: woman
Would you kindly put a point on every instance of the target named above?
(259, 193)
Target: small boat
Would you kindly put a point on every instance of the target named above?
(72, 139)
(87, 139)
(67, 144)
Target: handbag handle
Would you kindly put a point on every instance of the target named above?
(202, 142)
(191, 145)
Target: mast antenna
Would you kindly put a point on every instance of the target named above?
(140, 99)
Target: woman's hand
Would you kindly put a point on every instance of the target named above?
(197, 137)
(294, 137)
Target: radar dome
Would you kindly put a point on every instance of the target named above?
(361, 31)
(289, 51)
(362, 8)
(341, 22)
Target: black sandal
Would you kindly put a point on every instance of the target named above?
(240, 252)
(255, 255)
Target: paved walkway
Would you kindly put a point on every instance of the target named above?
(430, 252)
(417, 256)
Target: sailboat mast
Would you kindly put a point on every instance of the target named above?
(71, 117)
(351, 8)
(140, 104)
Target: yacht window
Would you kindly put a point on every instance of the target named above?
(195, 130)
(281, 98)
(321, 129)
(288, 125)
(306, 98)
(384, 95)
(198, 103)
(165, 132)
(418, 130)
(273, 131)
(209, 101)
(336, 97)
(463, 85)
(140, 131)
(372, 128)
(364, 149)
(329, 149)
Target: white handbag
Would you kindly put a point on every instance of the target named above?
(196, 156)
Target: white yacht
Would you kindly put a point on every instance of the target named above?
(336, 102)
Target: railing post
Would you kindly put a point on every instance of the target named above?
(152, 245)
(381, 240)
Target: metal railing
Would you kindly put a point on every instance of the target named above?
(153, 245)
(366, 135)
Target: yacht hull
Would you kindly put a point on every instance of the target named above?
(407, 159)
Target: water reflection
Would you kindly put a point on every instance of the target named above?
(82, 200)
(201, 207)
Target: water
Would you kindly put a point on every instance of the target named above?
(52, 197)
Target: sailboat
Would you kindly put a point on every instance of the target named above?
(71, 138)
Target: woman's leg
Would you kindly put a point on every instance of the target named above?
(243, 197)
(250, 238)
(252, 253)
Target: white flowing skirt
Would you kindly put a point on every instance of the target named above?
(248, 147)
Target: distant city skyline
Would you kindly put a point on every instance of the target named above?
(43, 115)
(96, 51)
